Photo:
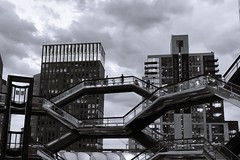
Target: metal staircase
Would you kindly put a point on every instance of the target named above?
(185, 148)
(233, 73)
(225, 90)
(112, 127)
(193, 91)
(100, 86)
(142, 114)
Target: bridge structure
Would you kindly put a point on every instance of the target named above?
(134, 124)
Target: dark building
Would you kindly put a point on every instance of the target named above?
(64, 65)
(1, 74)
(2, 89)
(233, 128)
(36, 85)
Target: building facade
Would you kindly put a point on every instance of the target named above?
(205, 120)
(2, 89)
(64, 65)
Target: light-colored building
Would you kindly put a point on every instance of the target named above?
(205, 120)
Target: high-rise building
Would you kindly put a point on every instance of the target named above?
(1, 73)
(205, 120)
(64, 65)
(36, 85)
(2, 89)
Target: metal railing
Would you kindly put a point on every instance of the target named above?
(227, 153)
(57, 112)
(50, 106)
(217, 151)
(103, 82)
(121, 121)
(227, 88)
(189, 144)
(200, 81)
(143, 105)
(227, 91)
(42, 151)
(179, 87)
(167, 145)
(102, 122)
(232, 69)
(153, 133)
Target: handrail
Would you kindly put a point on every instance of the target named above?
(192, 83)
(45, 150)
(102, 82)
(50, 104)
(182, 144)
(227, 153)
(210, 148)
(225, 88)
(235, 65)
(181, 86)
(166, 145)
(224, 82)
(102, 122)
(218, 149)
(120, 121)
(154, 134)
(51, 107)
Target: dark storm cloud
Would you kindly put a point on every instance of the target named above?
(114, 24)
(18, 40)
(143, 14)
(214, 1)
(12, 27)
(226, 43)
(80, 33)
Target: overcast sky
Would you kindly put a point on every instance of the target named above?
(129, 30)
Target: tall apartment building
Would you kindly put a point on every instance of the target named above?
(2, 89)
(64, 65)
(36, 85)
(205, 120)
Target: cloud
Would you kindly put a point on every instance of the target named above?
(14, 29)
(19, 43)
(213, 2)
(125, 102)
(142, 14)
(227, 42)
